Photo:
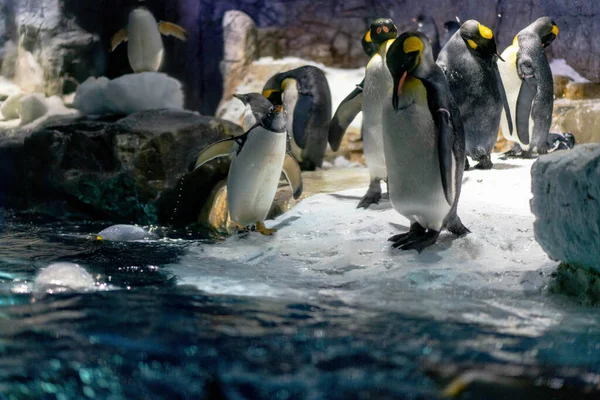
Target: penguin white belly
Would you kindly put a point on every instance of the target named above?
(145, 48)
(378, 82)
(290, 98)
(512, 86)
(254, 176)
(411, 154)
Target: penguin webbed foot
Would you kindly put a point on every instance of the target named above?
(457, 228)
(261, 228)
(467, 165)
(416, 231)
(515, 152)
(372, 196)
(419, 240)
(484, 162)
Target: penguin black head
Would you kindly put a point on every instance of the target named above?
(382, 30)
(254, 100)
(479, 38)
(368, 46)
(272, 90)
(410, 54)
(275, 120)
(451, 26)
(423, 19)
(546, 29)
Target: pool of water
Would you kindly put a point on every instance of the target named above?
(146, 333)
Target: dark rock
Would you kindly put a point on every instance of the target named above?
(129, 171)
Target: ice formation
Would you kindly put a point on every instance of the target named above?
(566, 189)
(63, 276)
(124, 233)
(128, 94)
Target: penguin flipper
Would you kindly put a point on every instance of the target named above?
(527, 93)
(443, 121)
(171, 29)
(292, 173)
(118, 38)
(221, 148)
(302, 115)
(344, 115)
(504, 101)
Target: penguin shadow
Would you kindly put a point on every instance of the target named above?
(384, 203)
(286, 222)
(505, 166)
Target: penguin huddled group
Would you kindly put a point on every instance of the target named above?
(422, 116)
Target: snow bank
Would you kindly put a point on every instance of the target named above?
(128, 94)
(326, 248)
(560, 67)
(566, 202)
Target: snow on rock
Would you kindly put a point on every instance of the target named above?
(128, 94)
(326, 248)
(32, 107)
(566, 203)
(10, 106)
(7, 88)
(63, 276)
(560, 67)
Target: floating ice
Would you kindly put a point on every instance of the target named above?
(124, 233)
(128, 94)
(61, 277)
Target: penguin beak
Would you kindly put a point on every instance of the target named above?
(240, 97)
(499, 56)
(398, 84)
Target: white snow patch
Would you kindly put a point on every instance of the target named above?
(559, 66)
(128, 94)
(326, 248)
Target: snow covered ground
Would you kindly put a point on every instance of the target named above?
(327, 249)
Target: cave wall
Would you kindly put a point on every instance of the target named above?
(324, 30)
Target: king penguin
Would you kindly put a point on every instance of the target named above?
(306, 97)
(258, 158)
(424, 143)
(257, 106)
(145, 48)
(426, 24)
(529, 86)
(450, 28)
(368, 97)
(469, 61)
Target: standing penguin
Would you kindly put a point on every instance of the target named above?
(469, 62)
(426, 24)
(529, 86)
(257, 106)
(305, 95)
(258, 158)
(424, 144)
(145, 48)
(450, 28)
(352, 104)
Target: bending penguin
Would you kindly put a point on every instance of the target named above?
(145, 48)
(469, 62)
(529, 86)
(257, 107)
(424, 144)
(258, 158)
(306, 98)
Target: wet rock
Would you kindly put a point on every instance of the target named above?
(239, 48)
(582, 90)
(566, 203)
(127, 171)
(580, 117)
(560, 85)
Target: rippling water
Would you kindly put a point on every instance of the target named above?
(146, 336)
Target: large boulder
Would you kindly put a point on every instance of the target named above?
(566, 203)
(134, 170)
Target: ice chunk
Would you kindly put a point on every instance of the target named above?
(32, 107)
(128, 94)
(63, 276)
(566, 203)
(123, 233)
(10, 107)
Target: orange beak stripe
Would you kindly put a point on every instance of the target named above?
(386, 29)
(402, 82)
(379, 30)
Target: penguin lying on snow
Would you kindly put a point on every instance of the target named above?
(306, 98)
(368, 97)
(145, 48)
(469, 62)
(529, 86)
(258, 158)
(424, 144)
